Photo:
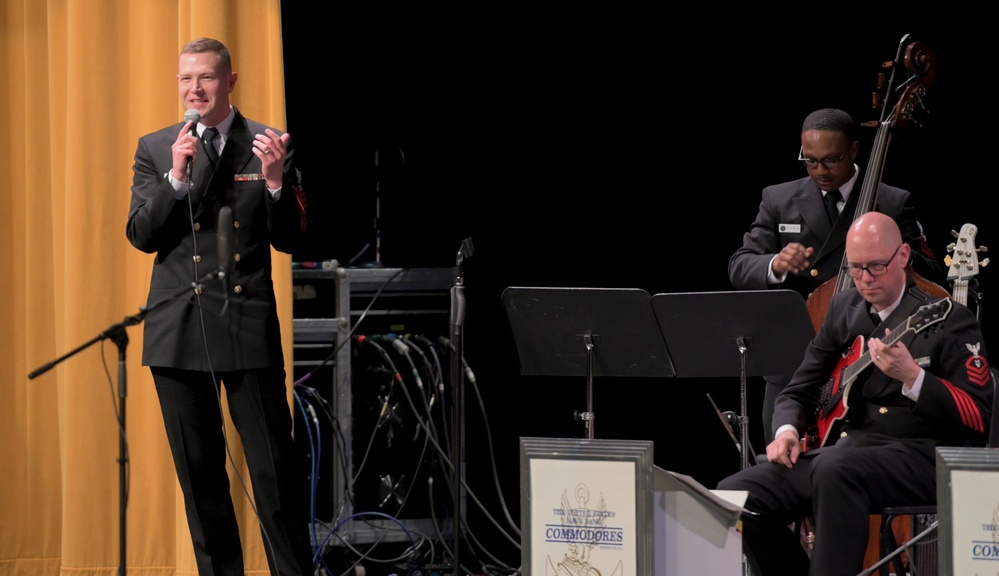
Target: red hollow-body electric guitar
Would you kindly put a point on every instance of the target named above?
(834, 398)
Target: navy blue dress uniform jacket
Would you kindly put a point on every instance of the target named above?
(794, 212)
(955, 401)
(241, 325)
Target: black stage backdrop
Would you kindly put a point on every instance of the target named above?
(595, 151)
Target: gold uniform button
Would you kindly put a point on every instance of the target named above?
(814, 272)
(197, 258)
(197, 226)
(236, 224)
(236, 257)
(237, 289)
(843, 434)
(198, 290)
(883, 410)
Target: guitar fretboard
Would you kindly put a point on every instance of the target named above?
(960, 292)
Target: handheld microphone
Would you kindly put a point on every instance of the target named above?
(192, 116)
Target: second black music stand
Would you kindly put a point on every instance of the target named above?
(586, 332)
(741, 333)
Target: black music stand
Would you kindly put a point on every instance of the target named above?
(586, 332)
(744, 333)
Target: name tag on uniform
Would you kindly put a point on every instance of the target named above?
(789, 228)
(248, 177)
(924, 362)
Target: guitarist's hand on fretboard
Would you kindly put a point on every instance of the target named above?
(895, 360)
(835, 394)
(785, 448)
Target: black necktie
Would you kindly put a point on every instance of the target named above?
(208, 142)
(831, 199)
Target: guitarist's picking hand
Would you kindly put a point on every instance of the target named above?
(784, 449)
(894, 360)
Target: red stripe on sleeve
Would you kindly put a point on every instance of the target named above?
(971, 416)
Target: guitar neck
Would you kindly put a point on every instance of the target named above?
(964, 264)
(960, 292)
(851, 372)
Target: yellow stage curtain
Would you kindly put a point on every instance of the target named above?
(83, 80)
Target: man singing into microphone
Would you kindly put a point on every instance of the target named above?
(197, 338)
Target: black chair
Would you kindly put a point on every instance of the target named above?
(921, 550)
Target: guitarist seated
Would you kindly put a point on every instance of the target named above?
(857, 426)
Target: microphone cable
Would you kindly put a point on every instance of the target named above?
(211, 369)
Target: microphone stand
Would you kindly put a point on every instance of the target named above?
(119, 335)
(457, 416)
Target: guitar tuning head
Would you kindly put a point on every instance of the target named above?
(984, 262)
(982, 249)
(947, 259)
(951, 246)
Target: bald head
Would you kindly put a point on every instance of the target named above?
(874, 228)
(877, 258)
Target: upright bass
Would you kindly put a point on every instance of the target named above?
(918, 61)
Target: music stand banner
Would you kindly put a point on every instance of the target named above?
(586, 506)
(968, 510)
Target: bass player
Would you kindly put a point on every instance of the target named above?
(794, 244)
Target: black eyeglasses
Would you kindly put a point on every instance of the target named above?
(876, 269)
(812, 163)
